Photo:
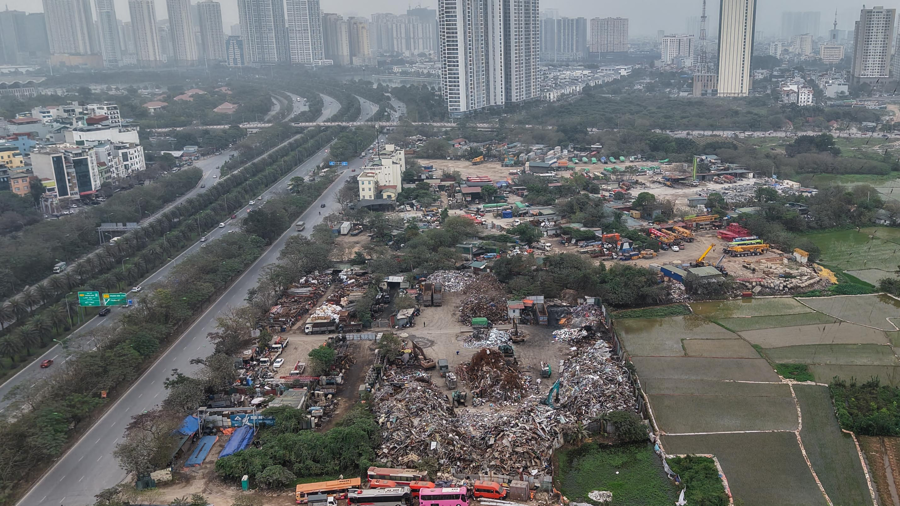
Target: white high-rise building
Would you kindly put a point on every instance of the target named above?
(304, 28)
(874, 38)
(675, 47)
(263, 31)
(144, 32)
(489, 52)
(212, 33)
(609, 35)
(70, 27)
(736, 24)
(181, 32)
(110, 46)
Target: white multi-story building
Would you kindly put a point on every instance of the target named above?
(797, 92)
(874, 37)
(116, 161)
(304, 28)
(70, 27)
(70, 171)
(831, 53)
(609, 35)
(382, 178)
(181, 32)
(212, 34)
(107, 109)
(803, 44)
(110, 45)
(489, 52)
(92, 135)
(74, 113)
(677, 46)
(144, 32)
(410, 34)
(263, 32)
(736, 25)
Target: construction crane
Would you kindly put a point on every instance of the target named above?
(659, 236)
(553, 396)
(700, 262)
(748, 250)
(685, 234)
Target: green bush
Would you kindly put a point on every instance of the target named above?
(869, 409)
(701, 477)
(654, 312)
(629, 427)
(797, 372)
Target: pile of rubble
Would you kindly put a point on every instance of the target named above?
(453, 281)
(332, 311)
(491, 378)
(567, 335)
(485, 298)
(771, 278)
(418, 421)
(487, 338)
(593, 383)
(297, 301)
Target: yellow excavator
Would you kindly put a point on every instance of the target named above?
(700, 262)
(478, 160)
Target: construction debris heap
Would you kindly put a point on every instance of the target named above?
(490, 377)
(485, 298)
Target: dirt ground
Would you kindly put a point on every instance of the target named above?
(883, 456)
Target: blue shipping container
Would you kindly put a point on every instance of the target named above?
(507, 214)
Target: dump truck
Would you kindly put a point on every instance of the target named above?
(427, 293)
(437, 296)
(450, 379)
(319, 325)
(443, 367)
(546, 371)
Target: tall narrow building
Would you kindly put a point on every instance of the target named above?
(181, 32)
(736, 22)
(609, 35)
(304, 28)
(71, 27)
(489, 51)
(212, 33)
(263, 31)
(360, 54)
(110, 46)
(145, 32)
(336, 37)
(873, 41)
(12, 26)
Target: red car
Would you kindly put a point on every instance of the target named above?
(233, 216)
(46, 363)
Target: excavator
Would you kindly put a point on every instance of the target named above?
(553, 396)
(700, 262)
(424, 361)
(478, 160)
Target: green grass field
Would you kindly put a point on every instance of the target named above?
(870, 248)
(831, 452)
(763, 469)
(749, 307)
(721, 348)
(842, 354)
(633, 473)
(876, 180)
(756, 409)
(772, 322)
(869, 310)
(717, 369)
(829, 333)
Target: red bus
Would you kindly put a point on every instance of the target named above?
(337, 488)
(402, 477)
(443, 497)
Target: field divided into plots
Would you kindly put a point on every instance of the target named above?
(712, 388)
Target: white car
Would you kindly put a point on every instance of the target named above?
(278, 363)
(221, 225)
(252, 202)
(675, 248)
(137, 289)
(203, 239)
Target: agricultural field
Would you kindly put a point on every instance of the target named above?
(713, 389)
(633, 473)
(870, 254)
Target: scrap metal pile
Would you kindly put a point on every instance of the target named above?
(491, 378)
(581, 322)
(485, 298)
(298, 300)
(418, 421)
(331, 311)
(453, 281)
(487, 338)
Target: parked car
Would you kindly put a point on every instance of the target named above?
(46, 363)
(278, 363)
(105, 311)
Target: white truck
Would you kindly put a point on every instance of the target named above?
(300, 226)
(60, 267)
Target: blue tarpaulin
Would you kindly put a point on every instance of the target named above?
(240, 439)
(201, 451)
(189, 426)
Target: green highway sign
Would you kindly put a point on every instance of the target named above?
(89, 299)
(114, 299)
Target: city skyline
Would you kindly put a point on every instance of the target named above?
(667, 16)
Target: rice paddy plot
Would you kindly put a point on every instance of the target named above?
(771, 322)
(710, 387)
(870, 248)
(870, 310)
(677, 414)
(763, 469)
(661, 337)
(832, 453)
(836, 333)
(773, 306)
(871, 276)
(736, 369)
(843, 354)
(824, 373)
(721, 348)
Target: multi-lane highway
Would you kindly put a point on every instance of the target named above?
(89, 466)
(210, 167)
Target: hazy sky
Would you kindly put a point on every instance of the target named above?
(646, 16)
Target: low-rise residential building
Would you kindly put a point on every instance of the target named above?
(20, 182)
(11, 157)
(154, 106)
(797, 92)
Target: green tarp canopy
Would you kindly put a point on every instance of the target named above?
(521, 205)
(480, 322)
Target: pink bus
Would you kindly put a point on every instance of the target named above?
(443, 497)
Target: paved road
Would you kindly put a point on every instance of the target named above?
(89, 466)
(210, 167)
